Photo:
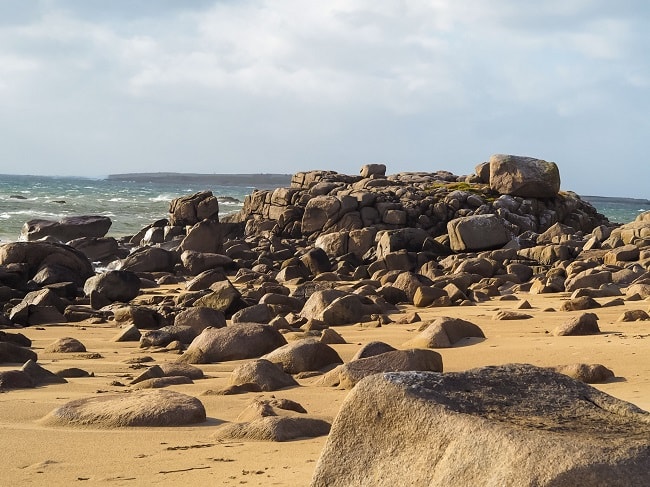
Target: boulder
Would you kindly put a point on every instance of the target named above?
(222, 297)
(149, 407)
(235, 342)
(209, 236)
(445, 332)
(139, 316)
(524, 176)
(198, 262)
(12, 353)
(65, 345)
(111, 286)
(351, 373)
(199, 318)
(205, 279)
(47, 262)
(191, 209)
(273, 420)
(15, 338)
(304, 355)
(160, 382)
(150, 259)
(67, 228)
(316, 260)
(98, 249)
(371, 349)
(369, 170)
(257, 313)
(40, 375)
(15, 379)
(266, 375)
(514, 425)
(274, 428)
(477, 232)
(589, 373)
(585, 324)
(174, 369)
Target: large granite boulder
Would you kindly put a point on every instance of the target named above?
(191, 209)
(149, 407)
(524, 176)
(512, 425)
(67, 228)
(47, 262)
(477, 232)
(235, 342)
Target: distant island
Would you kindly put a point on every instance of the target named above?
(610, 199)
(261, 181)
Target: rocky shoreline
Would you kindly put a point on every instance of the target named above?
(275, 289)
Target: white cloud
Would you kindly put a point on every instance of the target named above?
(413, 80)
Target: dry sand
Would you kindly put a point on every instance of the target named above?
(34, 454)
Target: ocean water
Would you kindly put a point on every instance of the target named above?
(132, 205)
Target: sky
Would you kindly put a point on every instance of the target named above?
(96, 87)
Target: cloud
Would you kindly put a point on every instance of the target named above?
(222, 85)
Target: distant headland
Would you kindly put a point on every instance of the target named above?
(261, 181)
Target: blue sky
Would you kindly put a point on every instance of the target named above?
(92, 87)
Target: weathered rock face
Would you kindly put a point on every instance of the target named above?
(189, 210)
(524, 176)
(66, 229)
(139, 408)
(478, 232)
(513, 425)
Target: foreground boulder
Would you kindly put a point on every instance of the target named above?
(235, 342)
(149, 407)
(515, 425)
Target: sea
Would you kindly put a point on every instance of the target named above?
(134, 203)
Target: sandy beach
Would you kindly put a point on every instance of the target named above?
(41, 455)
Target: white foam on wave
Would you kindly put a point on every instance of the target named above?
(162, 197)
